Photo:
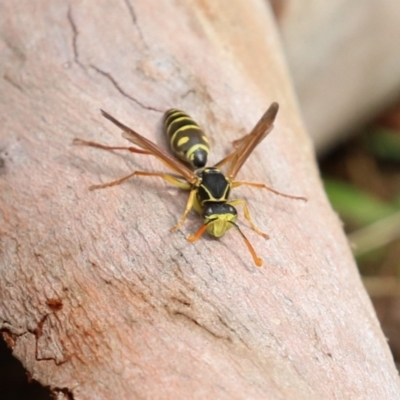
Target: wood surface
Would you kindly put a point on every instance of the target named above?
(97, 298)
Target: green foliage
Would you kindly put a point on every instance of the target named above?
(384, 144)
(355, 206)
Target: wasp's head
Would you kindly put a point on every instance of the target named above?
(219, 217)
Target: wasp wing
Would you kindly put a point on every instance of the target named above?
(245, 145)
(149, 146)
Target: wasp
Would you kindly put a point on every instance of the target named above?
(209, 188)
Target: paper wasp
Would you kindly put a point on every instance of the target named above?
(208, 187)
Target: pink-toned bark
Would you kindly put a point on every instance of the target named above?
(97, 298)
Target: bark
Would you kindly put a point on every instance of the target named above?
(344, 61)
(98, 299)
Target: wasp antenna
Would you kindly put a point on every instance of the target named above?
(256, 259)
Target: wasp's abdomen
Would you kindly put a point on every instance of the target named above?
(186, 138)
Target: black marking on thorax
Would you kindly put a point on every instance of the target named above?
(214, 186)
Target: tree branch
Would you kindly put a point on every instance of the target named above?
(97, 298)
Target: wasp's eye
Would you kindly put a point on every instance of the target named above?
(219, 209)
(208, 211)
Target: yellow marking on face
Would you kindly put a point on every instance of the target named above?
(221, 223)
(205, 138)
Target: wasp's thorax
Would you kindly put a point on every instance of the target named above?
(214, 186)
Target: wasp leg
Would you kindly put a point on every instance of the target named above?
(248, 217)
(166, 177)
(169, 178)
(113, 183)
(264, 186)
(104, 147)
(189, 206)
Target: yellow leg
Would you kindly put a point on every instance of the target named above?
(264, 186)
(104, 147)
(166, 177)
(246, 211)
(189, 206)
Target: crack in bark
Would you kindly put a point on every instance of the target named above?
(19, 54)
(183, 305)
(2, 165)
(233, 332)
(183, 301)
(75, 34)
(11, 337)
(190, 91)
(38, 333)
(132, 13)
(194, 321)
(8, 79)
(120, 90)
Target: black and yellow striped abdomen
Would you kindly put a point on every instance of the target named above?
(186, 138)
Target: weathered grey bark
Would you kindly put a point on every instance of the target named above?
(97, 298)
(344, 61)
